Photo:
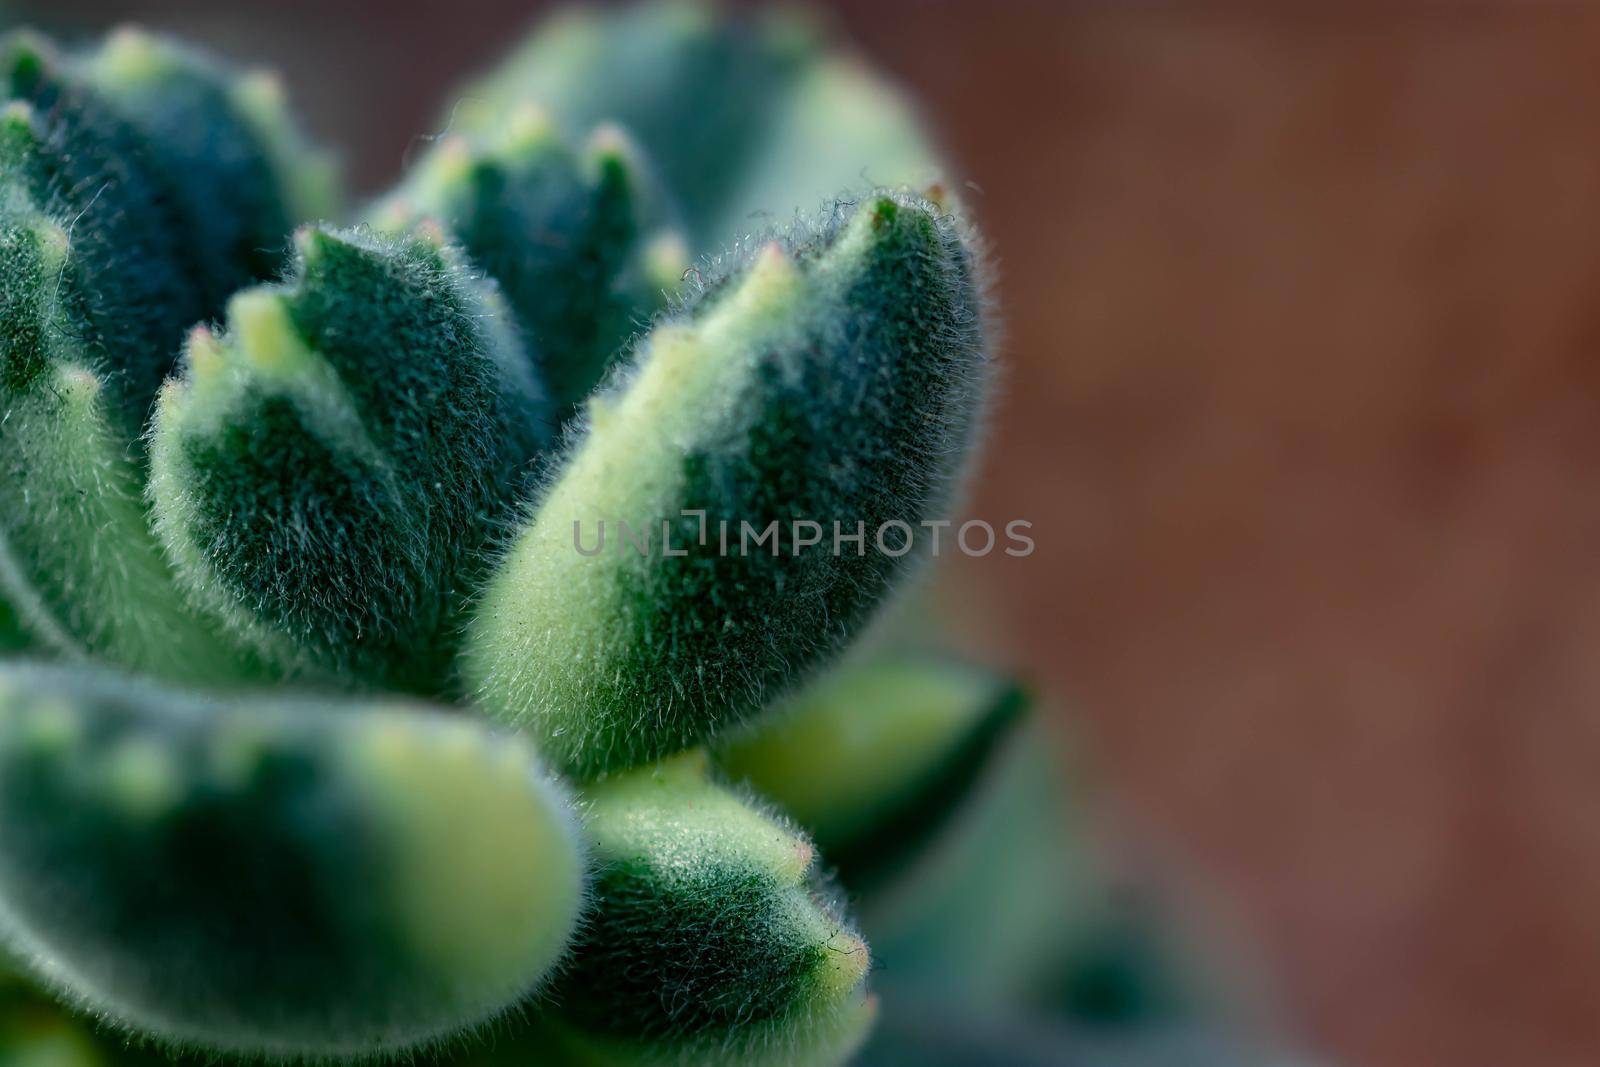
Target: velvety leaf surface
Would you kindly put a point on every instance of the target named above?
(833, 377)
(280, 877)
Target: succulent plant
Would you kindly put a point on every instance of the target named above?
(457, 631)
(326, 730)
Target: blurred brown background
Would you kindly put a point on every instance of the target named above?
(1303, 310)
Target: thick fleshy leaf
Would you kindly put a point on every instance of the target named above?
(173, 183)
(581, 242)
(76, 163)
(275, 877)
(711, 939)
(834, 380)
(700, 89)
(240, 174)
(77, 556)
(876, 756)
(838, 130)
(328, 472)
(122, 222)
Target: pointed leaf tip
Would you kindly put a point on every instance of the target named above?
(833, 377)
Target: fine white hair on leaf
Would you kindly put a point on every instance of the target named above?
(835, 373)
(283, 878)
(328, 472)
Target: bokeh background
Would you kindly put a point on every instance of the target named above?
(1302, 311)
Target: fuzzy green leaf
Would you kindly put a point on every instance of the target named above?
(77, 556)
(75, 162)
(836, 378)
(327, 472)
(172, 182)
(137, 187)
(876, 756)
(838, 129)
(241, 175)
(274, 877)
(581, 243)
(698, 89)
(711, 939)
